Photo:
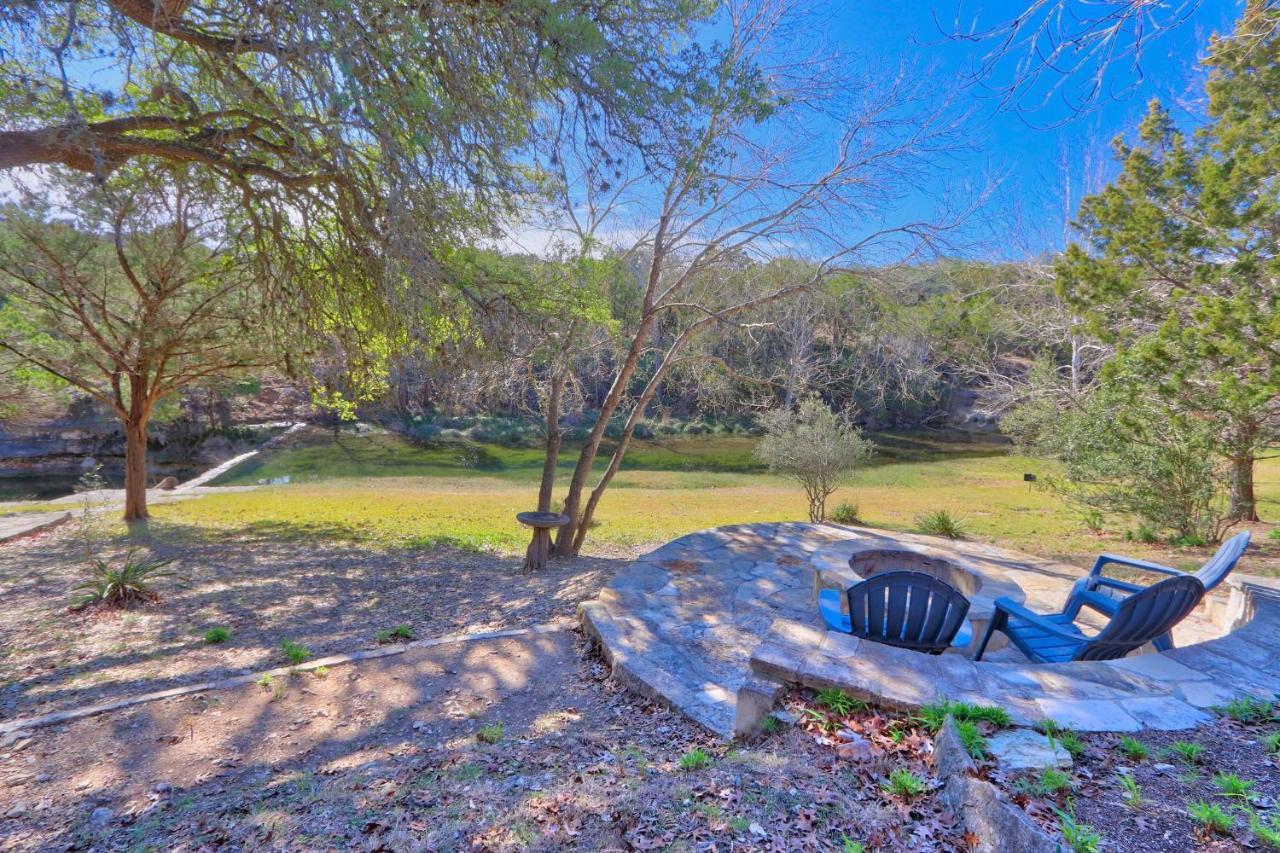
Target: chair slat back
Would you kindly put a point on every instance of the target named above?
(1221, 563)
(1143, 616)
(908, 609)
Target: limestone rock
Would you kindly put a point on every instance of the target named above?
(1024, 749)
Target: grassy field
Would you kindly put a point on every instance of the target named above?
(388, 492)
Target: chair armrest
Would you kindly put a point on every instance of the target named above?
(1132, 562)
(1123, 586)
(1012, 608)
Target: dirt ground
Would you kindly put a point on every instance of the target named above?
(388, 755)
(328, 598)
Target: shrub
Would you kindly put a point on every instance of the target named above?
(905, 784)
(1274, 534)
(121, 585)
(695, 759)
(491, 733)
(1135, 749)
(941, 523)
(814, 446)
(217, 635)
(294, 653)
(846, 513)
(1211, 817)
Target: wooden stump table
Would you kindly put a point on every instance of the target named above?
(535, 559)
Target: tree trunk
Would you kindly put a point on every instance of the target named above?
(1244, 503)
(554, 434)
(135, 469)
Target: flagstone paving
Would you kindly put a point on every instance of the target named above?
(717, 622)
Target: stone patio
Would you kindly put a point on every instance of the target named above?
(717, 623)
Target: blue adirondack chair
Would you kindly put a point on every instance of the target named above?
(907, 609)
(1105, 594)
(1138, 619)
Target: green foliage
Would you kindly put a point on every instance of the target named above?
(933, 714)
(1268, 831)
(491, 734)
(1248, 710)
(1049, 783)
(1070, 741)
(294, 653)
(1134, 749)
(1272, 742)
(770, 725)
(1211, 817)
(972, 738)
(1274, 534)
(695, 759)
(1132, 793)
(1080, 837)
(905, 784)
(1231, 785)
(940, 522)
(846, 513)
(398, 634)
(131, 581)
(217, 635)
(814, 446)
(1189, 753)
(839, 702)
(848, 845)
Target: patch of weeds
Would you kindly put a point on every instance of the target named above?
(1247, 710)
(839, 702)
(398, 634)
(821, 720)
(770, 725)
(466, 772)
(1274, 534)
(974, 741)
(848, 845)
(846, 513)
(320, 672)
(941, 523)
(1049, 783)
(217, 635)
(1232, 785)
(905, 784)
(740, 825)
(1063, 736)
(1132, 793)
(265, 681)
(1188, 753)
(695, 759)
(1134, 749)
(1080, 837)
(1272, 742)
(491, 733)
(1211, 817)
(295, 653)
(933, 714)
(1268, 832)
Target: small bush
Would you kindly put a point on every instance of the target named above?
(941, 523)
(130, 582)
(814, 446)
(905, 784)
(398, 634)
(839, 702)
(1248, 710)
(1232, 785)
(294, 653)
(1211, 817)
(695, 759)
(1080, 837)
(1132, 793)
(491, 733)
(1135, 749)
(846, 513)
(1190, 753)
(217, 635)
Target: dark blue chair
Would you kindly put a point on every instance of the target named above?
(1104, 594)
(1138, 619)
(911, 610)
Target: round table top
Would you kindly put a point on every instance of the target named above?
(543, 519)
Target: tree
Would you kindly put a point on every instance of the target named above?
(358, 137)
(814, 446)
(129, 292)
(1180, 260)
(743, 178)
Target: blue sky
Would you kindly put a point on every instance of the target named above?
(1027, 149)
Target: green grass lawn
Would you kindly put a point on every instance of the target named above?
(388, 492)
